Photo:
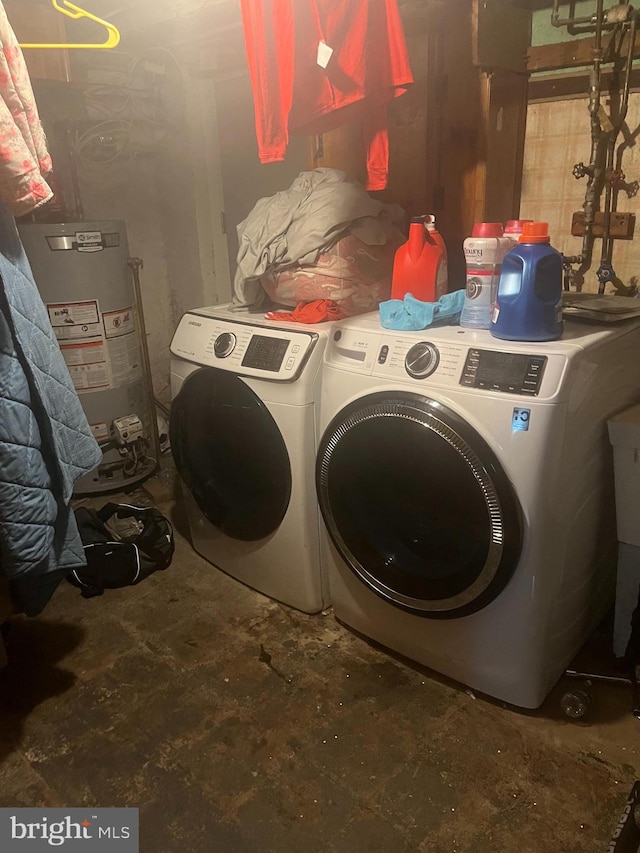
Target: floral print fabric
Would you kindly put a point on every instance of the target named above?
(24, 159)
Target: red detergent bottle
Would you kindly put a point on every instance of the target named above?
(420, 264)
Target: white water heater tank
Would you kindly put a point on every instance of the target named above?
(82, 274)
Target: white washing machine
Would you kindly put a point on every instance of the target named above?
(243, 431)
(466, 485)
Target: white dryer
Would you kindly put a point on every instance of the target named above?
(467, 489)
(243, 431)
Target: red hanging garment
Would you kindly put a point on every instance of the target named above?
(318, 64)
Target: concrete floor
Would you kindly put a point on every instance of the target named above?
(236, 724)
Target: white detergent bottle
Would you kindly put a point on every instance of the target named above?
(483, 253)
(513, 229)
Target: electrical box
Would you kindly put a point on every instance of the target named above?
(127, 430)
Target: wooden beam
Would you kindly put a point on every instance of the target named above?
(574, 86)
(570, 54)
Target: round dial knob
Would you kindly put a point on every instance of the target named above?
(224, 345)
(421, 360)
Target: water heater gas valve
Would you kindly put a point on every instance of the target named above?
(127, 430)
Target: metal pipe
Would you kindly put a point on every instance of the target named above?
(556, 21)
(615, 15)
(619, 14)
(635, 692)
(610, 199)
(135, 264)
(594, 676)
(595, 169)
(73, 170)
(601, 161)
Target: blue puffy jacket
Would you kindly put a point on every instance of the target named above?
(45, 440)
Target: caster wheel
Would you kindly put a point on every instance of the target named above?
(575, 703)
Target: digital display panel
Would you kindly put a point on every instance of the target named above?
(502, 368)
(265, 353)
(512, 373)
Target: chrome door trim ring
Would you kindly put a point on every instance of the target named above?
(424, 412)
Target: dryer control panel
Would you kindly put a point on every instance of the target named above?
(242, 348)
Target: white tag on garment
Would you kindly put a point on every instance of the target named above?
(324, 54)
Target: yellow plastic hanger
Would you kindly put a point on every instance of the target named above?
(75, 12)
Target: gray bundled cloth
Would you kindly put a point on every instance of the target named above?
(295, 225)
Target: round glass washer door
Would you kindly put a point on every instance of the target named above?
(418, 505)
(231, 454)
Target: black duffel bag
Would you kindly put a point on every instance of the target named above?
(115, 558)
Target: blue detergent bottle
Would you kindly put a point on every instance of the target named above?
(529, 299)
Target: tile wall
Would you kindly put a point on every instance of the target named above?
(557, 137)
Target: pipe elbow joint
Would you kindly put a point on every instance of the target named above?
(620, 14)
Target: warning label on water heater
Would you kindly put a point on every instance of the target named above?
(80, 333)
(87, 363)
(117, 323)
(85, 331)
(100, 431)
(122, 346)
(101, 350)
(87, 352)
(73, 314)
(89, 377)
(124, 357)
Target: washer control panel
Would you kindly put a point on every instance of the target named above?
(408, 358)
(445, 358)
(509, 372)
(243, 348)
